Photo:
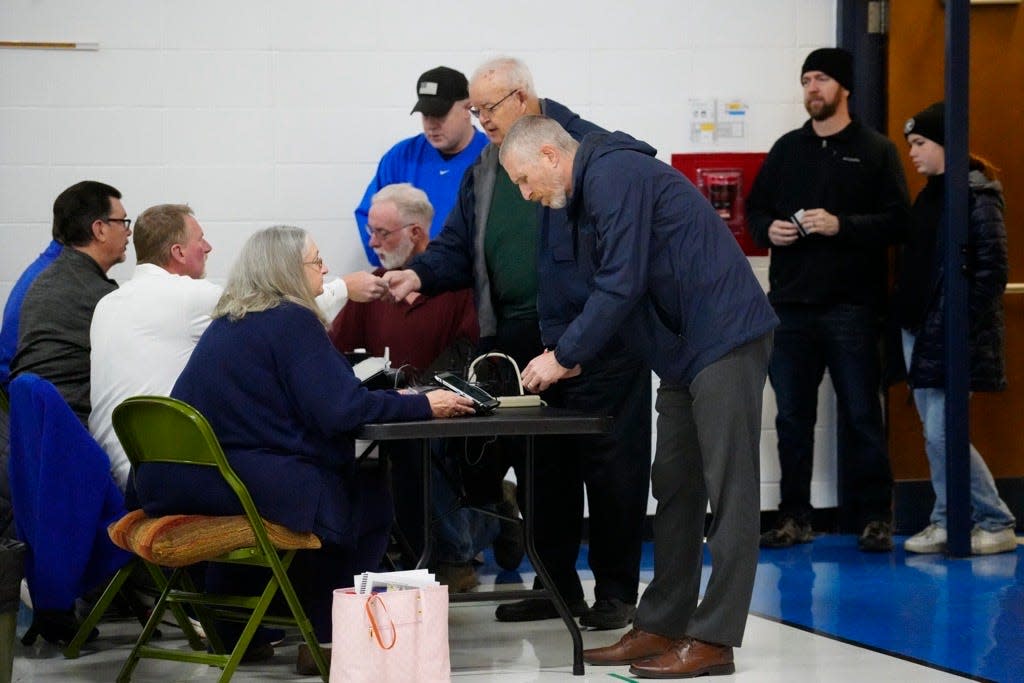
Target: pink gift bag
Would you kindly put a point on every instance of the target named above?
(399, 636)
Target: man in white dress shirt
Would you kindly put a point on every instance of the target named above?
(143, 333)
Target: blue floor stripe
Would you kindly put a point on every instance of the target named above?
(963, 615)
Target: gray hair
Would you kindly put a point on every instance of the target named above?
(268, 271)
(526, 136)
(412, 203)
(510, 71)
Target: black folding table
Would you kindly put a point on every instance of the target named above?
(523, 422)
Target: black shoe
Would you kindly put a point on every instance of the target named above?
(260, 648)
(56, 627)
(608, 614)
(257, 652)
(508, 546)
(535, 609)
(877, 537)
(789, 531)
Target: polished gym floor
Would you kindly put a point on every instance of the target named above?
(821, 612)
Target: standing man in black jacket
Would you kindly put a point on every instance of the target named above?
(829, 201)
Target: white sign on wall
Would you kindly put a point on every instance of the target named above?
(713, 120)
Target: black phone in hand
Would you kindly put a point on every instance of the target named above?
(482, 401)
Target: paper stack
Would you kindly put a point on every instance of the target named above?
(414, 578)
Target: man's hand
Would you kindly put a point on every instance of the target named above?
(820, 221)
(444, 403)
(364, 286)
(783, 233)
(401, 283)
(545, 370)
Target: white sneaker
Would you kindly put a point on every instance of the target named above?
(931, 540)
(991, 542)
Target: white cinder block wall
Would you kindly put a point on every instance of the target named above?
(258, 112)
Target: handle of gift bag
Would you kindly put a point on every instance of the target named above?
(375, 627)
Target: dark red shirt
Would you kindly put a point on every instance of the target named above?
(416, 333)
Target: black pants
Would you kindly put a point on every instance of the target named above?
(843, 339)
(315, 574)
(615, 468)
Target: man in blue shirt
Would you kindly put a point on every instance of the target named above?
(435, 160)
(8, 345)
(12, 310)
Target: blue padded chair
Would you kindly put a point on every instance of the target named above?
(64, 498)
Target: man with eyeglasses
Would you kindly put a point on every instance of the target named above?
(435, 160)
(53, 335)
(423, 334)
(520, 260)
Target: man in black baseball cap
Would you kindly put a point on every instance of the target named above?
(438, 89)
(435, 160)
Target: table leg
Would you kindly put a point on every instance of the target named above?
(542, 572)
(428, 532)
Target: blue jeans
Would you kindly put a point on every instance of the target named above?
(987, 509)
(459, 533)
(843, 338)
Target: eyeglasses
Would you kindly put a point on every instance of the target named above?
(381, 234)
(126, 222)
(318, 262)
(489, 108)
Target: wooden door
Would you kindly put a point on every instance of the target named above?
(915, 80)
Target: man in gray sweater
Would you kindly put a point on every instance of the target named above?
(53, 335)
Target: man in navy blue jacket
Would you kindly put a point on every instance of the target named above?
(667, 278)
(527, 289)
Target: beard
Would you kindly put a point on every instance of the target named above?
(397, 257)
(558, 199)
(821, 109)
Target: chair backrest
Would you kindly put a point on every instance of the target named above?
(163, 429)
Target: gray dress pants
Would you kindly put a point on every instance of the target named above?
(707, 450)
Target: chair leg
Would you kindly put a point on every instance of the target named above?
(301, 620)
(159, 608)
(255, 618)
(99, 608)
(180, 616)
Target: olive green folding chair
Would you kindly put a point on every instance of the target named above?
(115, 586)
(161, 429)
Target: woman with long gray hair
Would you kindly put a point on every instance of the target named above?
(284, 405)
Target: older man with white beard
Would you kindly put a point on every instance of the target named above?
(421, 332)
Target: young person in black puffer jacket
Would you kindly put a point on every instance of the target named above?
(918, 309)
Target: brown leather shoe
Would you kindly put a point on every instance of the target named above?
(687, 658)
(633, 646)
(304, 664)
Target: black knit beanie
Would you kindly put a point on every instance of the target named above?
(930, 123)
(834, 61)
